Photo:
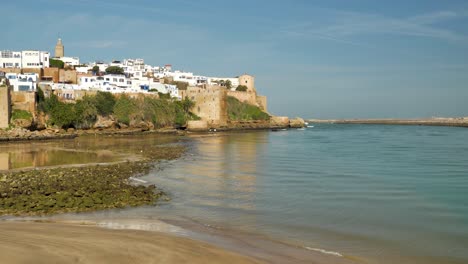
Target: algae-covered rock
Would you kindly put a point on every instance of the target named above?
(80, 189)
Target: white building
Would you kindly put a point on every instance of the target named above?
(188, 77)
(83, 69)
(24, 59)
(219, 80)
(70, 61)
(23, 82)
(174, 92)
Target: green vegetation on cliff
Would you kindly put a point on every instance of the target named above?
(126, 110)
(21, 114)
(238, 111)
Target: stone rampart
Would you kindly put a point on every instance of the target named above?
(245, 97)
(5, 106)
(210, 104)
(262, 102)
(24, 101)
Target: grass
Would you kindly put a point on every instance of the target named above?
(21, 114)
(238, 111)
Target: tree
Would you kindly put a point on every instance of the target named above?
(104, 102)
(56, 63)
(187, 105)
(242, 88)
(228, 84)
(114, 70)
(96, 70)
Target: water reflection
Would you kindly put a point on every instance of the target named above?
(219, 183)
(82, 150)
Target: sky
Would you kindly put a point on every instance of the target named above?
(313, 59)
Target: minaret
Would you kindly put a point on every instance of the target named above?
(59, 49)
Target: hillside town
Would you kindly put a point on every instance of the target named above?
(24, 72)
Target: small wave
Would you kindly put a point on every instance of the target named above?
(325, 251)
(310, 126)
(137, 180)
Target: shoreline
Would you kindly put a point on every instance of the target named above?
(255, 248)
(27, 242)
(453, 122)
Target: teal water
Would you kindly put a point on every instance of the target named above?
(388, 194)
(382, 194)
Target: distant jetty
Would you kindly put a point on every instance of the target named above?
(436, 121)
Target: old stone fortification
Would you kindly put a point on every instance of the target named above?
(249, 81)
(245, 97)
(5, 105)
(11, 70)
(210, 104)
(250, 98)
(39, 72)
(61, 75)
(262, 102)
(24, 101)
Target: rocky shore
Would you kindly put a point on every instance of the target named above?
(84, 188)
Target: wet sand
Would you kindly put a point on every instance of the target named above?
(33, 242)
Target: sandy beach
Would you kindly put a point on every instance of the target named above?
(34, 242)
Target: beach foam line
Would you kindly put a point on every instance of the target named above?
(138, 180)
(325, 251)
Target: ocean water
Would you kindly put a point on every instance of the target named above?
(378, 193)
(387, 194)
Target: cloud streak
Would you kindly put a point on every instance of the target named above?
(345, 25)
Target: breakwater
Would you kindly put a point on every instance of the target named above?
(456, 122)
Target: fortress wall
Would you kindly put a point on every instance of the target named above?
(5, 106)
(262, 102)
(24, 101)
(210, 104)
(246, 97)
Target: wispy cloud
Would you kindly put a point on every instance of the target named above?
(345, 25)
(100, 44)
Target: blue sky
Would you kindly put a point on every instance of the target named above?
(315, 59)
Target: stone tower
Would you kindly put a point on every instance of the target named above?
(249, 81)
(59, 49)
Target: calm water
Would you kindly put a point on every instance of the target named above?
(388, 194)
(391, 194)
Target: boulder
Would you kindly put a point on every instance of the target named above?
(279, 121)
(104, 122)
(296, 123)
(23, 123)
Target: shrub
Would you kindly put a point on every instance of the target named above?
(85, 113)
(124, 108)
(104, 102)
(242, 88)
(53, 63)
(114, 70)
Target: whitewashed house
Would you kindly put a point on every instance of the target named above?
(23, 82)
